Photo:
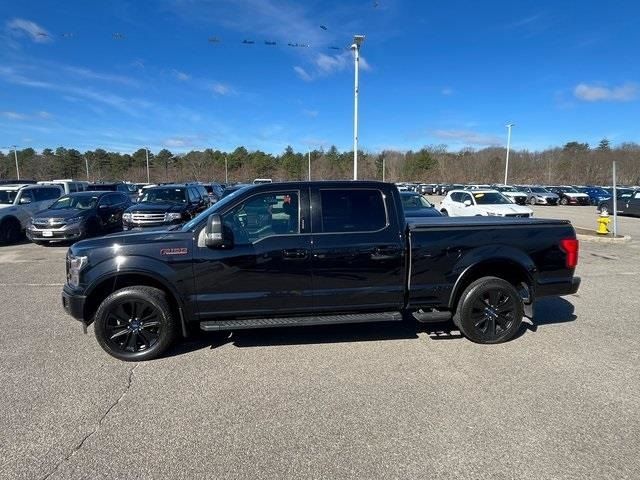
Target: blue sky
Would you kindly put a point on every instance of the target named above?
(125, 74)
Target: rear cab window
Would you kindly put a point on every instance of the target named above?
(350, 211)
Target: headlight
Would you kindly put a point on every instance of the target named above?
(170, 217)
(126, 217)
(75, 264)
(71, 221)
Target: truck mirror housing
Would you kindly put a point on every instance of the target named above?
(214, 232)
(467, 203)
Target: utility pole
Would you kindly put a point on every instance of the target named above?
(506, 166)
(146, 150)
(15, 155)
(615, 201)
(357, 41)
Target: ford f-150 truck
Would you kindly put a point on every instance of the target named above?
(314, 253)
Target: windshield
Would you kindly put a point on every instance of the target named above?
(7, 197)
(415, 201)
(599, 191)
(507, 189)
(491, 198)
(164, 195)
(81, 202)
(539, 190)
(216, 207)
(569, 189)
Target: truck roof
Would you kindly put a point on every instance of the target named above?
(434, 222)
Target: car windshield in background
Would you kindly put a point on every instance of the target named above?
(507, 189)
(164, 195)
(569, 189)
(539, 190)
(7, 197)
(81, 202)
(599, 191)
(491, 198)
(415, 201)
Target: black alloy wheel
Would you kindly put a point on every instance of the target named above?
(135, 323)
(490, 311)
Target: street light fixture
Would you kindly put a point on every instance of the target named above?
(506, 165)
(357, 42)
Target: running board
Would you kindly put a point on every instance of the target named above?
(433, 316)
(215, 325)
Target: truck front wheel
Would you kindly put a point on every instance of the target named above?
(135, 323)
(490, 310)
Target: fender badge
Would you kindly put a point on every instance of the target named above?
(174, 251)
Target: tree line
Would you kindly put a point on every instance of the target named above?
(574, 163)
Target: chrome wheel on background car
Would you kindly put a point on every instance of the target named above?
(135, 323)
(490, 311)
(532, 201)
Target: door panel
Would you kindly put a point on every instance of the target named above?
(267, 271)
(355, 270)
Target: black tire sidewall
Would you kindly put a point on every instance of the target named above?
(153, 296)
(462, 318)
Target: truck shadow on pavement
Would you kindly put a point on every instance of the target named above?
(552, 310)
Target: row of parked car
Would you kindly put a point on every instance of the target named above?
(69, 210)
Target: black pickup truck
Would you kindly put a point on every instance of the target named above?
(315, 253)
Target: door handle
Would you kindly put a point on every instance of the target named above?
(295, 254)
(385, 253)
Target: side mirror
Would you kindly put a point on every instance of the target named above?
(214, 232)
(25, 200)
(467, 203)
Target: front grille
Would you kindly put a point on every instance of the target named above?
(147, 217)
(520, 199)
(48, 222)
(552, 201)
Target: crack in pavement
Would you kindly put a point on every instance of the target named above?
(96, 428)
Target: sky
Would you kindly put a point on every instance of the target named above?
(123, 75)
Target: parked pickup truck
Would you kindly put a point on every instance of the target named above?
(286, 254)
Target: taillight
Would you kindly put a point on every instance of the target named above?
(570, 246)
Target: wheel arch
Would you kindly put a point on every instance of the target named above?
(514, 270)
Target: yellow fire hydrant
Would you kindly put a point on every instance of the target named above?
(603, 224)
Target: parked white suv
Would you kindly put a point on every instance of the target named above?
(68, 185)
(18, 203)
(462, 203)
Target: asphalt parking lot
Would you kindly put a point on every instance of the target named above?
(365, 401)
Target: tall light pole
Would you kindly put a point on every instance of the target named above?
(384, 160)
(357, 41)
(615, 201)
(146, 151)
(86, 166)
(15, 155)
(226, 171)
(309, 152)
(506, 165)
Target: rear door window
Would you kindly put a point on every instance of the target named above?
(360, 210)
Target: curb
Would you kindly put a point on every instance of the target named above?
(590, 236)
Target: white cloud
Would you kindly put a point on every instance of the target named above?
(446, 91)
(302, 73)
(599, 93)
(468, 137)
(183, 77)
(221, 89)
(19, 27)
(14, 115)
(93, 75)
(44, 115)
(175, 142)
(331, 63)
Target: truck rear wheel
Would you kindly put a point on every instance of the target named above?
(135, 323)
(490, 311)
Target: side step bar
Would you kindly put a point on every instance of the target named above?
(433, 316)
(215, 325)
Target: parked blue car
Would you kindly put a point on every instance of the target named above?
(596, 194)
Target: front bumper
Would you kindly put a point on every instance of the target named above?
(62, 234)
(73, 303)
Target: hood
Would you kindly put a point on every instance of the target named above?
(5, 205)
(156, 207)
(514, 194)
(576, 195)
(505, 209)
(62, 213)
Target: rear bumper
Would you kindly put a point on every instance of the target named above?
(73, 303)
(558, 288)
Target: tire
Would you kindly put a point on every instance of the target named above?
(604, 208)
(444, 212)
(123, 333)
(564, 201)
(10, 231)
(532, 200)
(489, 311)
